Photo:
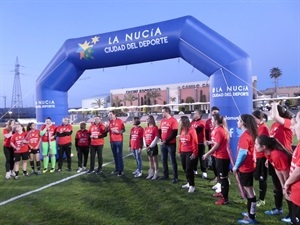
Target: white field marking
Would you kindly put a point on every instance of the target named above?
(51, 184)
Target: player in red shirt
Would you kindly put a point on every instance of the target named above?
(97, 132)
(136, 145)
(47, 132)
(7, 149)
(199, 126)
(19, 143)
(281, 130)
(64, 143)
(245, 164)
(188, 151)
(34, 140)
(208, 129)
(261, 171)
(280, 158)
(220, 143)
(150, 142)
(116, 129)
(292, 185)
(168, 132)
(82, 144)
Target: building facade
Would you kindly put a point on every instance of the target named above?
(190, 92)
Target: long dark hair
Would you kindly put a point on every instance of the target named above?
(151, 120)
(185, 124)
(272, 143)
(260, 115)
(221, 121)
(8, 124)
(29, 126)
(250, 124)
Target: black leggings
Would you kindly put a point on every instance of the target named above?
(188, 166)
(9, 156)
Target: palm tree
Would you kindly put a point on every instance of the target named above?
(116, 102)
(189, 99)
(130, 97)
(173, 99)
(153, 95)
(98, 103)
(275, 73)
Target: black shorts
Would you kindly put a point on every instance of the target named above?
(222, 167)
(34, 151)
(261, 171)
(19, 156)
(246, 179)
(152, 151)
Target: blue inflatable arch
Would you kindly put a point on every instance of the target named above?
(228, 67)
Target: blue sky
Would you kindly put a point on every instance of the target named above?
(269, 31)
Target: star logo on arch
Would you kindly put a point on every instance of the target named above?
(85, 49)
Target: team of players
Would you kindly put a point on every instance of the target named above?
(258, 149)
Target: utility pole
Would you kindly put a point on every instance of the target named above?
(4, 100)
(17, 100)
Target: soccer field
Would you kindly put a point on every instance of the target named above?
(71, 198)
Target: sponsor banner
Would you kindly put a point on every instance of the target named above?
(233, 96)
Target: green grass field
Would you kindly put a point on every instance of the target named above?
(108, 199)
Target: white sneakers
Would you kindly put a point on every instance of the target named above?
(204, 175)
(79, 170)
(216, 186)
(7, 175)
(155, 176)
(12, 173)
(218, 190)
(186, 185)
(191, 189)
(135, 172)
(150, 174)
(138, 174)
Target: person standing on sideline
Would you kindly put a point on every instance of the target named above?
(8, 131)
(208, 129)
(280, 158)
(47, 132)
(97, 134)
(82, 144)
(220, 145)
(281, 130)
(168, 132)
(34, 141)
(116, 129)
(292, 185)
(188, 151)
(261, 171)
(19, 143)
(245, 164)
(64, 142)
(150, 142)
(199, 126)
(136, 145)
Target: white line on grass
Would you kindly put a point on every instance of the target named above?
(51, 184)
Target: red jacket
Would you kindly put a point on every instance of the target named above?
(188, 142)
